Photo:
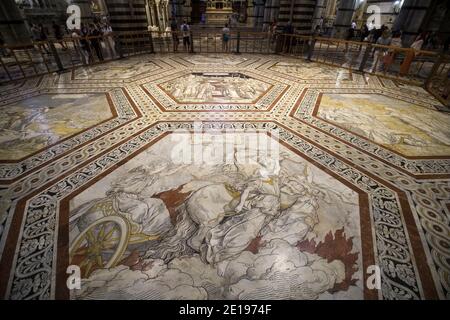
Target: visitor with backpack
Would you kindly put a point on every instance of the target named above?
(185, 30)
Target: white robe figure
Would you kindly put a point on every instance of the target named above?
(259, 204)
(147, 215)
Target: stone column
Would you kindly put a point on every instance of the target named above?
(259, 13)
(166, 14)
(186, 10)
(127, 15)
(158, 13)
(250, 13)
(162, 15)
(299, 12)
(271, 10)
(12, 23)
(148, 12)
(411, 18)
(344, 17)
(86, 11)
(103, 7)
(319, 11)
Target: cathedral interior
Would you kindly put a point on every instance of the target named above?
(224, 150)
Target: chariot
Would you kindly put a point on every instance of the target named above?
(103, 235)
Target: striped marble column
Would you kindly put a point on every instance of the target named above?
(250, 13)
(259, 13)
(319, 12)
(271, 9)
(299, 12)
(127, 15)
(12, 24)
(344, 17)
(411, 18)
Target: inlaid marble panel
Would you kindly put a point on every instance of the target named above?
(215, 59)
(216, 87)
(311, 70)
(409, 129)
(232, 229)
(35, 123)
(116, 70)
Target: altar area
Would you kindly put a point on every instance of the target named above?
(218, 11)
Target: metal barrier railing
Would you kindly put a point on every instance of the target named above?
(393, 62)
(439, 82)
(418, 67)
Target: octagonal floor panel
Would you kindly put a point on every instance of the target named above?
(311, 71)
(116, 70)
(32, 124)
(215, 59)
(215, 87)
(293, 216)
(406, 128)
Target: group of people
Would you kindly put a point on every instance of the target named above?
(94, 37)
(185, 31)
(89, 39)
(40, 35)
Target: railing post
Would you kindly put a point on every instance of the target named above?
(191, 40)
(83, 57)
(56, 55)
(366, 55)
(435, 68)
(238, 42)
(118, 44)
(152, 48)
(312, 45)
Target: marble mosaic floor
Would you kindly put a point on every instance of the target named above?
(223, 177)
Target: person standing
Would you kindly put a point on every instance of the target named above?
(109, 39)
(174, 31)
(226, 38)
(3, 51)
(75, 35)
(36, 37)
(43, 36)
(288, 31)
(85, 42)
(446, 44)
(58, 35)
(185, 29)
(95, 41)
(389, 58)
(381, 52)
(272, 31)
(42, 33)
